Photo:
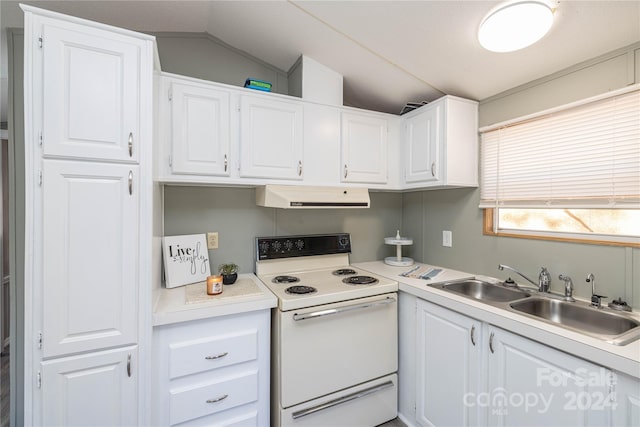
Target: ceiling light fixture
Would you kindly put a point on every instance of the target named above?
(515, 25)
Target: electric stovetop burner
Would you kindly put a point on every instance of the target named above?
(285, 279)
(360, 280)
(300, 290)
(344, 272)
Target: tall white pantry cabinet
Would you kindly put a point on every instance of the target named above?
(88, 180)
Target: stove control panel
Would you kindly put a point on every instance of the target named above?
(305, 245)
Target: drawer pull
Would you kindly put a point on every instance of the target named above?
(341, 400)
(217, 399)
(217, 356)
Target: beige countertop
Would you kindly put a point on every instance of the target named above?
(191, 302)
(625, 358)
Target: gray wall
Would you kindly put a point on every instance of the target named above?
(16, 219)
(206, 57)
(426, 214)
(233, 213)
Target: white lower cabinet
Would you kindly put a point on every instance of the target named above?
(473, 373)
(212, 371)
(94, 389)
(531, 384)
(448, 366)
(626, 408)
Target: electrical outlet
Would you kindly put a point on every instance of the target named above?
(447, 238)
(212, 240)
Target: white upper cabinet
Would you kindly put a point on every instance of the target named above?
(423, 137)
(200, 130)
(271, 138)
(91, 257)
(364, 148)
(441, 144)
(90, 92)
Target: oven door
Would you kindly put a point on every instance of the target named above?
(332, 347)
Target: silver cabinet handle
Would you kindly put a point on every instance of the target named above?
(217, 399)
(340, 400)
(226, 163)
(346, 171)
(129, 365)
(491, 343)
(130, 144)
(332, 311)
(433, 169)
(299, 167)
(473, 335)
(217, 356)
(130, 182)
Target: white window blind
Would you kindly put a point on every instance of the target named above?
(584, 156)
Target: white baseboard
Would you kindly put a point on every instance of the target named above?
(406, 421)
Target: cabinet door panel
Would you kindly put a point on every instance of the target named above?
(448, 366)
(532, 384)
(364, 149)
(91, 390)
(90, 256)
(90, 93)
(200, 118)
(271, 140)
(423, 136)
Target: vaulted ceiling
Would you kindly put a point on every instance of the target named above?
(389, 52)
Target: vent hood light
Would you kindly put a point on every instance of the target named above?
(515, 25)
(302, 197)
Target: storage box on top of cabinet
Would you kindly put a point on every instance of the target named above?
(440, 144)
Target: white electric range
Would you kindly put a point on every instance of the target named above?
(334, 333)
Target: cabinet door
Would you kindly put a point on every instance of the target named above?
(90, 92)
(364, 149)
(200, 135)
(448, 366)
(423, 143)
(90, 256)
(626, 401)
(532, 384)
(271, 140)
(96, 389)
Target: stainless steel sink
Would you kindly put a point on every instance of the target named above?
(482, 291)
(609, 326)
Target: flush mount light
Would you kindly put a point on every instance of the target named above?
(515, 25)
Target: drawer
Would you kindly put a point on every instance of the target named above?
(203, 354)
(207, 398)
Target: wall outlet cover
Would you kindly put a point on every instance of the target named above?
(447, 238)
(212, 240)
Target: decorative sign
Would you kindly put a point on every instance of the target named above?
(186, 259)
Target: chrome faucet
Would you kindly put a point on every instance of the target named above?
(544, 278)
(596, 300)
(568, 287)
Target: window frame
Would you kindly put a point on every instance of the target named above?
(488, 218)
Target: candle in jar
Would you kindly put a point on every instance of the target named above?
(214, 285)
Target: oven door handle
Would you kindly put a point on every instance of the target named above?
(332, 311)
(343, 399)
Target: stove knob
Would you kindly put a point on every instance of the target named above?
(343, 242)
(276, 246)
(264, 247)
(288, 245)
(299, 244)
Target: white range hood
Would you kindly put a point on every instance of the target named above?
(302, 197)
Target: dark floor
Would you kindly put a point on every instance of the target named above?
(393, 423)
(4, 388)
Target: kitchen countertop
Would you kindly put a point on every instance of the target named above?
(183, 303)
(625, 358)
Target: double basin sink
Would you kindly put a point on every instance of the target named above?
(605, 324)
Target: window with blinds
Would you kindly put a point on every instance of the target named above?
(573, 159)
